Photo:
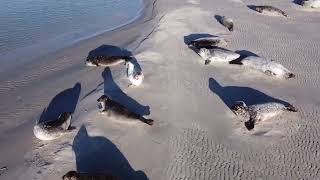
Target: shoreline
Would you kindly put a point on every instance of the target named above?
(55, 45)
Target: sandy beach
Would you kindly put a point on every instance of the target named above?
(195, 134)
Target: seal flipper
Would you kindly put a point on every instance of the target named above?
(207, 62)
(147, 121)
(291, 108)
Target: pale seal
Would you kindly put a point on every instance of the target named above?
(53, 129)
(267, 66)
(227, 22)
(310, 3)
(259, 112)
(217, 55)
(107, 61)
(208, 42)
(270, 11)
(134, 75)
(74, 175)
(116, 110)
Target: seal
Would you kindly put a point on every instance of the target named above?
(74, 175)
(135, 76)
(217, 55)
(259, 112)
(227, 22)
(310, 3)
(208, 42)
(270, 11)
(106, 61)
(267, 66)
(51, 130)
(114, 109)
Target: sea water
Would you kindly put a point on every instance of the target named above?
(28, 25)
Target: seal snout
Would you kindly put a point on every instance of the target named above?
(190, 45)
(89, 63)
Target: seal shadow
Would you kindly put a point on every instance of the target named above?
(109, 50)
(191, 37)
(112, 90)
(298, 2)
(218, 18)
(65, 101)
(246, 53)
(230, 94)
(252, 7)
(243, 54)
(97, 154)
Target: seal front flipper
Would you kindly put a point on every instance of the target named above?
(269, 73)
(207, 62)
(249, 124)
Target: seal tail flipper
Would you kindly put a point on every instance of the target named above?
(291, 108)
(249, 124)
(147, 121)
(284, 14)
(290, 75)
(231, 28)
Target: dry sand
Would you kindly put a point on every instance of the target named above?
(195, 135)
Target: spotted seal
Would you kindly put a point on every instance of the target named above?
(114, 109)
(107, 61)
(208, 42)
(217, 55)
(74, 175)
(267, 66)
(53, 129)
(270, 11)
(134, 75)
(259, 112)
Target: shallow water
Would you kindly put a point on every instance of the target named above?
(37, 23)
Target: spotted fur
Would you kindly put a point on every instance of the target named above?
(270, 11)
(114, 109)
(208, 42)
(217, 55)
(267, 66)
(259, 112)
(106, 61)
